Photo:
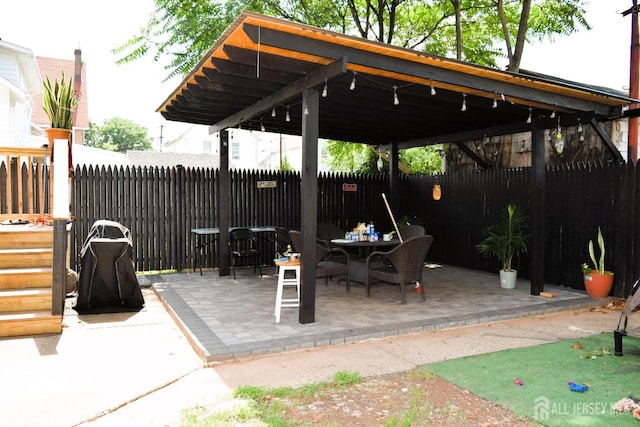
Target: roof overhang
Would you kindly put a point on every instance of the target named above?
(261, 65)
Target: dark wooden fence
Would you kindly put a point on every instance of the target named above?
(161, 205)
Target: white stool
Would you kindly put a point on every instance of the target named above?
(282, 282)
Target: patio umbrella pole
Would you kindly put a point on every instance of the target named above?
(395, 225)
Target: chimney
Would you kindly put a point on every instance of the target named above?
(77, 79)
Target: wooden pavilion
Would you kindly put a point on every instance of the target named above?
(269, 74)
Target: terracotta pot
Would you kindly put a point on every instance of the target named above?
(598, 285)
(56, 133)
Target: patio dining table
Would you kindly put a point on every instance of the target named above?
(365, 247)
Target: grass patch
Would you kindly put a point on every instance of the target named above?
(545, 371)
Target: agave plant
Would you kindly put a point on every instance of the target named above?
(59, 102)
(507, 238)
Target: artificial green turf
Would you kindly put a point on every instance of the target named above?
(545, 371)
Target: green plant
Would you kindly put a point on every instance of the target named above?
(507, 238)
(59, 102)
(598, 266)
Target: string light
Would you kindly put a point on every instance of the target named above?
(580, 129)
(495, 100)
(273, 111)
(464, 102)
(262, 126)
(306, 109)
(287, 117)
(433, 89)
(502, 97)
(529, 117)
(326, 89)
(553, 113)
(352, 86)
(396, 101)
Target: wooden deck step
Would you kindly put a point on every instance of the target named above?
(26, 258)
(36, 277)
(26, 236)
(28, 299)
(29, 323)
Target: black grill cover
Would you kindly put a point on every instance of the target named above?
(107, 276)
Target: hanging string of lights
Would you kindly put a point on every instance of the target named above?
(396, 99)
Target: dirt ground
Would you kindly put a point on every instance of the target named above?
(414, 398)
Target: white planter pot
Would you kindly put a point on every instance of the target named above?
(508, 279)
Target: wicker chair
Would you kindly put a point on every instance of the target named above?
(326, 266)
(402, 265)
(411, 230)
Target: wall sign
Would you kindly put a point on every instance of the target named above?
(349, 187)
(266, 184)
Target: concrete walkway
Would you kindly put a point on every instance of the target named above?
(139, 368)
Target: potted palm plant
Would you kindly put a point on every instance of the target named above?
(505, 240)
(597, 280)
(59, 102)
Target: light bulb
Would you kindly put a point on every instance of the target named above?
(379, 163)
(273, 111)
(261, 126)
(306, 110)
(464, 102)
(287, 117)
(495, 103)
(325, 90)
(529, 117)
(580, 126)
(433, 90)
(396, 101)
(352, 86)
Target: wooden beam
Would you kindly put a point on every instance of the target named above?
(309, 205)
(607, 141)
(315, 78)
(469, 152)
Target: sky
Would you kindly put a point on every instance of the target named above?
(134, 91)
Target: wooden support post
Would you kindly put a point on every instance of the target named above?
(309, 208)
(537, 211)
(394, 187)
(224, 201)
(59, 277)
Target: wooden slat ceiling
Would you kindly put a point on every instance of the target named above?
(261, 64)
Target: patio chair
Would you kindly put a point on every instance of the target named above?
(411, 230)
(326, 266)
(401, 265)
(243, 247)
(327, 232)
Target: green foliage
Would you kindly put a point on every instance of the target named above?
(598, 266)
(118, 134)
(506, 238)
(285, 165)
(183, 31)
(59, 101)
(358, 158)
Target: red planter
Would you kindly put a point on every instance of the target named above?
(598, 285)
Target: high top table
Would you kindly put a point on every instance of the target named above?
(206, 237)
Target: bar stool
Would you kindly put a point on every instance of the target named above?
(293, 266)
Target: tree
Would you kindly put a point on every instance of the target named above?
(358, 158)
(118, 134)
(471, 30)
